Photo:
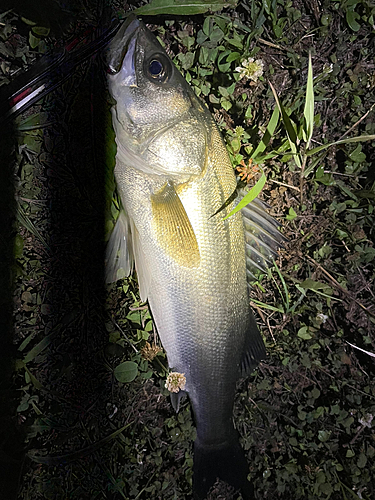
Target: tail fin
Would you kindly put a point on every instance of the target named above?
(226, 462)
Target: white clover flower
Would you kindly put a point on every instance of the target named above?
(251, 69)
(175, 382)
(322, 317)
(366, 421)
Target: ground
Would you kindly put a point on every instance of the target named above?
(76, 422)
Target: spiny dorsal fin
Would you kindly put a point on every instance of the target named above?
(262, 236)
(174, 231)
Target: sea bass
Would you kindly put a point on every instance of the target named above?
(173, 173)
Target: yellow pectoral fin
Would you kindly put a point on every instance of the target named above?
(174, 231)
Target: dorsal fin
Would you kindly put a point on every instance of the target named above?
(262, 236)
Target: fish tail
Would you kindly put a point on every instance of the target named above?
(226, 462)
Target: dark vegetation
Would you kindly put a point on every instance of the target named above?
(84, 410)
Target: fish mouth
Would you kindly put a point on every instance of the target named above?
(120, 52)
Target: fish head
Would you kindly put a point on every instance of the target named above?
(157, 117)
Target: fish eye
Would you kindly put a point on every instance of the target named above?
(158, 68)
(155, 68)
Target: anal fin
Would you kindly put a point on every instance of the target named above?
(176, 399)
(254, 350)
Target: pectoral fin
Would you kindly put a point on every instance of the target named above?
(119, 255)
(123, 249)
(142, 267)
(174, 231)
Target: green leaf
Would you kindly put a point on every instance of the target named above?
(225, 103)
(28, 21)
(126, 371)
(201, 37)
(351, 16)
(18, 246)
(292, 214)
(303, 333)
(249, 113)
(272, 124)
(233, 56)
(290, 130)
(183, 7)
(223, 91)
(362, 461)
(26, 342)
(217, 35)
(236, 144)
(310, 284)
(222, 63)
(33, 40)
(267, 306)
(187, 60)
(323, 436)
(308, 112)
(236, 41)
(212, 98)
(207, 26)
(40, 30)
(251, 195)
(31, 355)
(32, 142)
(284, 296)
(33, 379)
(357, 155)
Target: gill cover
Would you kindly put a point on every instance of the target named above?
(141, 76)
(156, 112)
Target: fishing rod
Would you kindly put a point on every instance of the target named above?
(51, 70)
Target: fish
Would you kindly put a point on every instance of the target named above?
(173, 173)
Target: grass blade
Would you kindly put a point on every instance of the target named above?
(311, 167)
(308, 112)
(251, 195)
(291, 133)
(272, 124)
(75, 455)
(183, 7)
(27, 224)
(36, 350)
(284, 286)
(262, 305)
(360, 138)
